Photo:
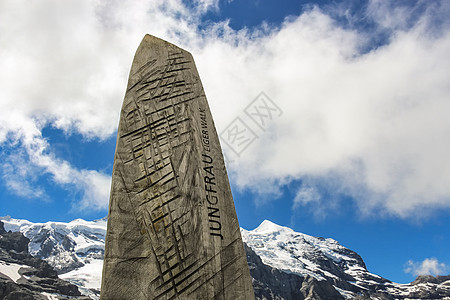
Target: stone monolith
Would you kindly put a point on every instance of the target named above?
(172, 226)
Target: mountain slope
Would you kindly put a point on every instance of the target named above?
(23, 276)
(284, 264)
(271, 283)
(326, 260)
(75, 249)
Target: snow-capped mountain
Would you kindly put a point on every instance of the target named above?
(66, 246)
(23, 276)
(283, 263)
(284, 249)
(75, 249)
(325, 260)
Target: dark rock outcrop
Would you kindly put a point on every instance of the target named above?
(431, 279)
(430, 287)
(2, 228)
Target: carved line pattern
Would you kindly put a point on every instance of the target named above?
(158, 125)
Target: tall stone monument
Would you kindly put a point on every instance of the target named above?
(172, 226)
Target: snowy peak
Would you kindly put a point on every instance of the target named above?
(75, 249)
(23, 276)
(282, 248)
(65, 246)
(269, 227)
(14, 225)
(325, 260)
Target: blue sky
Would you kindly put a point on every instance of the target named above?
(358, 149)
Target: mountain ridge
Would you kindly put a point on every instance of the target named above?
(24, 277)
(284, 264)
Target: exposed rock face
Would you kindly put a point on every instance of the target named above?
(430, 287)
(270, 283)
(51, 247)
(25, 277)
(431, 279)
(172, 227)
(13, 242)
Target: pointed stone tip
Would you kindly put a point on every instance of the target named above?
(153, 49)
(268, 226)
(151, 39)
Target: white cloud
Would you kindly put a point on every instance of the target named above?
(31, 157)
(20, 177)
(65, 64)
(205, 5)
(306, 194)
(374, 125)
(96, 188)
(429, 266)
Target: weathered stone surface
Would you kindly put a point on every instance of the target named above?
(172, 227)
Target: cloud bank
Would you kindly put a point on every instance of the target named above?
(31, 158)
(371, 124)
(429, 266)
